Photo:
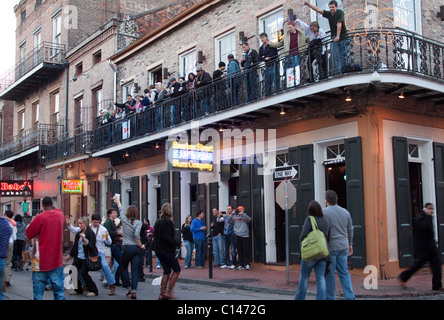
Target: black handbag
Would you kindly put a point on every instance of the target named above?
(93, 263)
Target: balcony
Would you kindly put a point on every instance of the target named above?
(29, 142)
(77, 145)
(403, 61)
(43, 62)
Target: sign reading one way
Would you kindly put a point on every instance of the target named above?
(290, 173)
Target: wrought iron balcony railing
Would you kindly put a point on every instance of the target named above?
(76, 145)
(43, 134)
(389, 50)
(46, 52)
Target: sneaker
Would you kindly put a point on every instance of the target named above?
(157, 267)
(91, 294)
(247, 267)
(240, 268)
(73, 293)
(232, 266)
(186, 267)
(224, 266)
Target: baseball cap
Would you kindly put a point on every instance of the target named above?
(240, 208)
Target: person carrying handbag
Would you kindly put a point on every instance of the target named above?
(84, 246)
(318, 263)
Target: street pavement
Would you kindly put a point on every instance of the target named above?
(263, 282)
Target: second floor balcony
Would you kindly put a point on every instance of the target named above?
(29, 142)
(43, 62)
(403, 61)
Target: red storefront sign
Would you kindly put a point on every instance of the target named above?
(16, 188)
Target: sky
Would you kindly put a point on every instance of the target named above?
(7, 35)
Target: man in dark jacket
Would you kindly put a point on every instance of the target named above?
(250, 59)
(269, 54)
(426, 249)
(203, 94)
(5, 233)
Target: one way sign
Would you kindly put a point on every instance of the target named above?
(290, 173)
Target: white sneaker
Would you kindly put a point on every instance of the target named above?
(240, 268)
(247, 267)
(232, 266)
(224, 266)
(91, 294)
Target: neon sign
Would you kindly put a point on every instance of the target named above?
(190, 156)
(72, 186)
(16, 188)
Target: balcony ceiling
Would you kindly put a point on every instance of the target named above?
(33, 79)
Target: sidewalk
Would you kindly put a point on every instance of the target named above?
(273, 279)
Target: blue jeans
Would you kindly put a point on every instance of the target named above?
(199, 260)
(339, 263)
(130, 253)
(272, 79)
(319, 268)
(291, 62)
(218, 250)
(2, 272)
(189, 246)
(340, 53)
(40, 281)
(107, 270)
(229, 241)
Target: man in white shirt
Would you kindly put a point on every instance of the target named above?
(102, 239)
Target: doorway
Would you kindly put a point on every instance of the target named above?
(416, 195)
(336, 180)
(279, 229)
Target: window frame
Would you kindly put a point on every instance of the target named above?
(182, 65)
(261, 22)
(217, 47)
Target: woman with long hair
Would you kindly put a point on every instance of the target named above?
(188, 240)
(319, 265)
(132, 247)
(165, 247)
(84, 246)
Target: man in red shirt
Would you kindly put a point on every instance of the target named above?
(47, 263)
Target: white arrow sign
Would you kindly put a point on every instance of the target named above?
(289, 173)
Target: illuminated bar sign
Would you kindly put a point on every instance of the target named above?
(72, 186)
(16, 188)
(190, 156)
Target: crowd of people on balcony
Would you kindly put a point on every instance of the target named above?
(239, 81)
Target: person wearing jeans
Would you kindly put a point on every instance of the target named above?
(217, 225)
(198, 229)
(339, 264)
(5, 233)
(340, 246)
(47, 230)
(132, 245)
(319, 264)
(240, 221)
(229, 240)
(40, 281)
(188, 240)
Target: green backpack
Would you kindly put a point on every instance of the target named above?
(314, 246)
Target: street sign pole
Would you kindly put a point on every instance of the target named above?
(287, 241)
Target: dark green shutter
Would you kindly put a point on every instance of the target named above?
(144, 198)
(244, 198)
(355, 199)
(302, 155)
(258, 214)
(164, 187)
(214, 195)
(225, 171)
(134, 185)
(194, 181)
(176, 204)
(115, 188)
(202, 197)
(403, 201)
(438, 157)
